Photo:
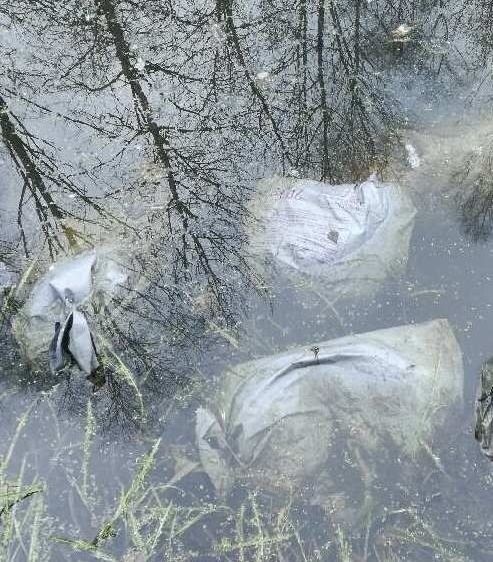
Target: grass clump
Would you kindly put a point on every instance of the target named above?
(22, 510)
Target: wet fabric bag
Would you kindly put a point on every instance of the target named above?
(354, 236)
(282, 421)
(55, 316)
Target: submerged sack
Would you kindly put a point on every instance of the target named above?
(54, 320)
(354, 235)
(281, 421)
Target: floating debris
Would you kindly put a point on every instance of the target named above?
(264, 75)
(412, 156)
(401, 34)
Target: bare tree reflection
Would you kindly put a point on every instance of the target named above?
(321, 88)
(43, 183)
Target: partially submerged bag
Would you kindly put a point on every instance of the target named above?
(352, 235)
(282, 421)
(54, 319)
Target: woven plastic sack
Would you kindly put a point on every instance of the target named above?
(281, 421)
(352, 235)
(54, 320)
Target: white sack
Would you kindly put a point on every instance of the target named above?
(352, 235)
(276, 420)
(54, 316)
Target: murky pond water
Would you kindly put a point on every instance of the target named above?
(144, 128)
